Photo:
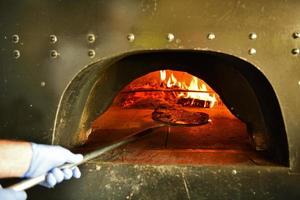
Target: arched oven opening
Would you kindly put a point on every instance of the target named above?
(117, 97)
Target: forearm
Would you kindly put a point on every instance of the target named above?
(15, 158)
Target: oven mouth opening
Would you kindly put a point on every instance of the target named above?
(186, 121)
(202, 109)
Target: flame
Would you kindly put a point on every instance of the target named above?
(163, 75)
(194, 91)
(194, 85)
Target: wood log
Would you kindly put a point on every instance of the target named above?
(194, 102)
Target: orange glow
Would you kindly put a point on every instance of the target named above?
(195, 90)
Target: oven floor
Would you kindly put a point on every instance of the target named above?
(222, 141)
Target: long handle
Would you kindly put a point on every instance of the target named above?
(28, 183)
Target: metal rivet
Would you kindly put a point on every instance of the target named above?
(43, 84)
(252, 36)
(298, 82)
(15, 38)
(295, 51)
(211, 36)
(53, 39)
(234, 172)
(91, 53)
(54, 54)
(252, 51)
(130, 37)
(91, 38)
(16, 54)
(170, 37)
(296, 35)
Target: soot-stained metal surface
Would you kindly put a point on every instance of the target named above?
(45, 44)
(125, 181)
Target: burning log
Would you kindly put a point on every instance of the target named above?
(190, 102)
(147, 100)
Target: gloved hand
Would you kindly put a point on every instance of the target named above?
(46, 159)
(7, 194)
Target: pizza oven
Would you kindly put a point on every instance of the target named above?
(212, 85)
(124, 96)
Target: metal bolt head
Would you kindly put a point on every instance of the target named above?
(296, 35)
(296, 51)
(252, 36)
(130, 37)
(252, 51)
(54, 54)
(16, 54)
(91, 53)
(43, 84)
(15, 38)
(53, 39)
(91, 38)
(211, 36)
(170, 37)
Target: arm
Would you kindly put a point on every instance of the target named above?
(15, 158)
(27, 160)
(24, 159)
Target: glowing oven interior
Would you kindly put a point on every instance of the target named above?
(240, 120)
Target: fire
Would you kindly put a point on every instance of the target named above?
(172, 81)
(193, 90)
(163, 75)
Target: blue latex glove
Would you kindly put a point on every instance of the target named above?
(7, 194)
(46, 159)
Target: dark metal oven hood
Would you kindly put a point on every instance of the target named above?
(55, 53)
